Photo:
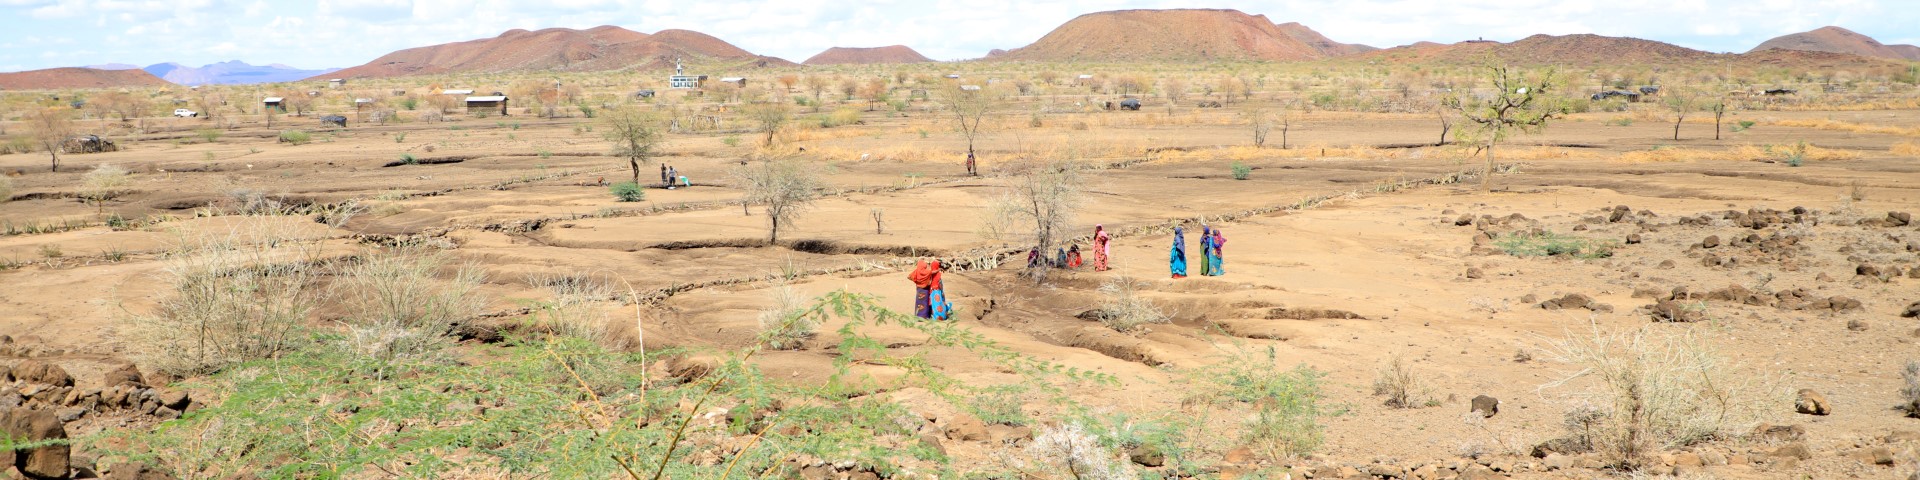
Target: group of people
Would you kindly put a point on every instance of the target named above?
(1070, 257)
(1211, 240)
(930, 296)
(671, 177)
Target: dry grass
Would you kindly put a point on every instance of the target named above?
(411, 287)
(785, 326)
(1652, 391)
(574, 310)
(1122, 307)
(1910, 394)
(1909, 149)
(1402, 386)
(1749, 152)
(232, 299)
(1830, 124)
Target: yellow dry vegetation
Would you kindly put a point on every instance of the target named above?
(1905, 148)
(1831, 124)
(1748, 152)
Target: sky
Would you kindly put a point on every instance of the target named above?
(37, 34)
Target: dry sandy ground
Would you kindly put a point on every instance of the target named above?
(1394, 258)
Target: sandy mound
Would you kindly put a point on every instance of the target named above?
(863, 56)
(75, 77)
(1167, 35)
(596, 49)
(1839, 40)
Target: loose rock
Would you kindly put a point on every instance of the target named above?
(1812, 403)
(1486, 406)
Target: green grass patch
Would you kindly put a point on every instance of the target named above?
(1551, 244)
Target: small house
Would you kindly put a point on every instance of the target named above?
(970, 88)
(487, 103)
(275, 103)
(463, 93)
(360, 103)
(736, 81)
(336, 83)
(953, 76)
(680, 78)
(686, 81)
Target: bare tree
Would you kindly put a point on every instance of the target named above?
(1175, 88)
(1041, 199)
(636, 135)
(969, 109)
(1262, 123)
(784, 187)
(1446, 123)
(817, 84)
(848, 88)
(1681, 102)
(1517, 105)
(51, 126)
(769, 116)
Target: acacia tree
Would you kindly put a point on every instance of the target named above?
(769, 116)
(636, 136)
(1518, 104)
(1682, 102)
(969, 109)
(784, 187)
(1262, 123)
(817, 84)
(51, 126)
(1041, 200)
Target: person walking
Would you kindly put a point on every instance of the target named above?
(1177, 259)
(671, 174)
(1100, 241)
(664, 180)
(1206, 251)
(972, 170)
(1218, 242)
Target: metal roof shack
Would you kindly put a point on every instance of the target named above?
(457, 92)
(740, 81)
(487, 103)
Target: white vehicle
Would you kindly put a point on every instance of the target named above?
(181, 112)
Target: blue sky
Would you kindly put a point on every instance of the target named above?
(341, 33)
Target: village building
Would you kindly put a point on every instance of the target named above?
(681, 80)
(336, 83)
(476, 105)
(275, 103)
(737, 81)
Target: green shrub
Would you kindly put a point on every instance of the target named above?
(1550, 244)
(1743, 125)
(208, 134)
(410, 103)
(407, 159)
(628, 192)
(295, 137)
(400, 137)
(1241, 171)
(1284, 403)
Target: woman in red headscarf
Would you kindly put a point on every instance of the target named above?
(930, 295)
(1100, 240)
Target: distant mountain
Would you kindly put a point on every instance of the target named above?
(849, 55)
(1839, 40)
(76, 77)
(561, 49)
(1173, 35)
(231, 73)
(113, 66)
(1577, 49)
(1321, 43)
